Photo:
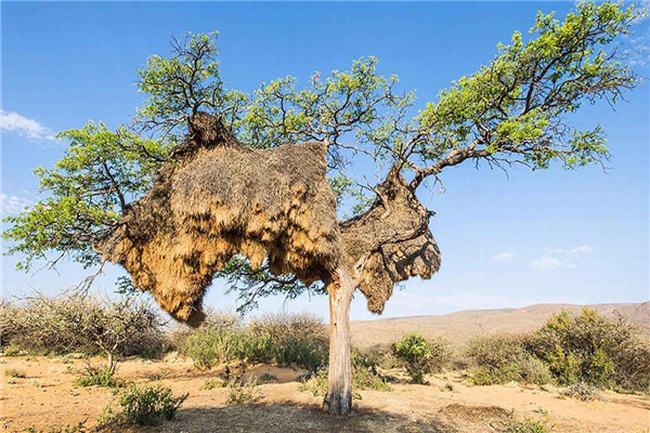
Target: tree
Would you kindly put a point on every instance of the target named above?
(118, 193)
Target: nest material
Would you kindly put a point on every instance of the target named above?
(393, 240)
(219, 199)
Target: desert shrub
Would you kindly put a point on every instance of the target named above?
(590, 348)
(98, 376)
(73, 428)
(420, 356)
(145, 405)
(242, 391)
(293, 339)
(12, 372)
(503, 358)
(581, 390)
(71, 323)
(527, 425)
(209, 346)
(288, 340)
(178, 337)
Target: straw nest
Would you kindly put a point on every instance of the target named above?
(393, 241)
(218, 198)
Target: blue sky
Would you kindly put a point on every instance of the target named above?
(531, 237)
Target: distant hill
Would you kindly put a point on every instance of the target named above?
(461, 326)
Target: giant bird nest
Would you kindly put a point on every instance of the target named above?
(217, 198)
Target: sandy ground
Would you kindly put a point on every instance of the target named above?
(46, 398)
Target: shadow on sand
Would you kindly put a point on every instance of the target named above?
(290, 417)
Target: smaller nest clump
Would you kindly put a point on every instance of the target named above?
(393, 237)
(217, 199)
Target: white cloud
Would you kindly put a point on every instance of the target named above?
(11, 121)
(560, 258)
(11, 204)
(503, 257)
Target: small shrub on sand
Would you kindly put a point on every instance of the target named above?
(242, 391)
(74, 428)
(98, 376)
(582, 391)
(143, 405)
(527, 425)
(420, 356)
(12, 372)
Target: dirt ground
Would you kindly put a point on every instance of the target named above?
(46, 398)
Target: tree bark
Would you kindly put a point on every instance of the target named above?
(338, 400)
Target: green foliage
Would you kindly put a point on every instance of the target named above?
(242, 391)
(515, 107)
(420, 356)
(527, 425)
(180, 85)
(593, 349)
(13, 372)
(288, 340)
(74, 428)
(86, 193)
(98, 376)
(502, 359)
(145, 406)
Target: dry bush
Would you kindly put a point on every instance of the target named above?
(503, 358)
(67, 324)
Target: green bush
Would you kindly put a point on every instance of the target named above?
(98, 376)
(527, 425)
(593, 349)
(282, 339)
(502, 359)
(420, 356)
(242, 391)
(145, 406)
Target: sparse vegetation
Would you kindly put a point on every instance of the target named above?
(98, 376)
(82, 324)
(527, 425)
(15, 373)
(74, 428)
(144, 405)
(420, 356)
(242, 391)
(582, 391)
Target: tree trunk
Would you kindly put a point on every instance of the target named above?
(338, 400)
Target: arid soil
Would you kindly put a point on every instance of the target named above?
(46, 398)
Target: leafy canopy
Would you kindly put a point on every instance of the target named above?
(516, 109)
